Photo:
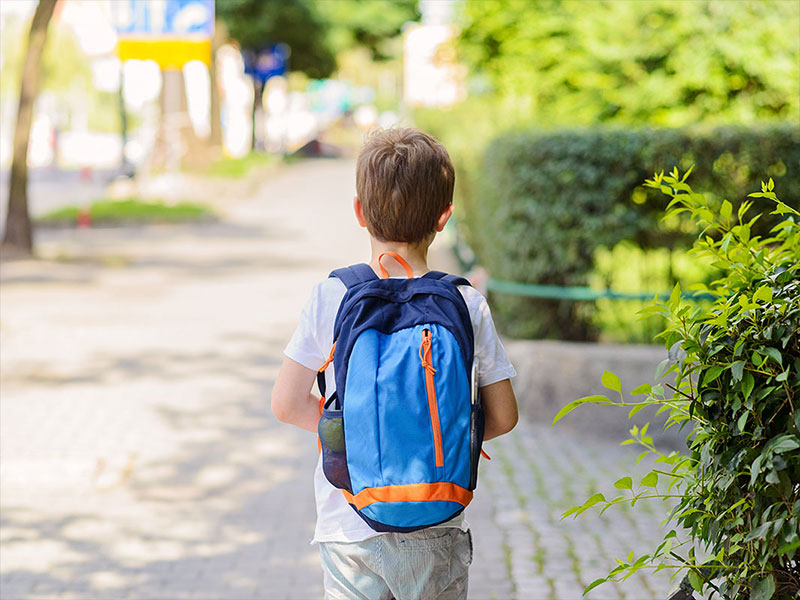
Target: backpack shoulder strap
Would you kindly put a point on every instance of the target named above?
(354, 274)
(453, 279)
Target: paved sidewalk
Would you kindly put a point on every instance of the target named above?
(139, 457)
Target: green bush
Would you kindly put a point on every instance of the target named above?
(736, 389)
(541, 204)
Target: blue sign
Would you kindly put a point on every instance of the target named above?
(165, 18)
(266, 63)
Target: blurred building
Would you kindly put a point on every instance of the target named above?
(431, 74)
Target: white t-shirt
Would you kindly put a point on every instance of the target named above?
(310, 346)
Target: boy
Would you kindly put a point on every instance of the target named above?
(404, 182)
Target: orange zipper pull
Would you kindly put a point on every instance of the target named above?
(425, 351)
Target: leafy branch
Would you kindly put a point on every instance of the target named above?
(736, 368)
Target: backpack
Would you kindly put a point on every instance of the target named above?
(401, 435)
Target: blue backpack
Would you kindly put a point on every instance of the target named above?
(401, 435)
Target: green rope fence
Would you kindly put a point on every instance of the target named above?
(557, 292)
(467, 261)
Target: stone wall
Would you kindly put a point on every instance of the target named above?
(553, 373)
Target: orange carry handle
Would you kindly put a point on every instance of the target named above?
(399, 259)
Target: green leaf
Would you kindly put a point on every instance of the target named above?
(744, 233)
(740, 423)
(747, 385)
(650, 480)
(783, 443)
(763, 589)
(594, 584)
(592, 500)
(737, 369)
(626, 483)
(786, 548)
(759, 532)
(571, 406)
(783, 376)
(763, 294)
(675, 296)
(636, 409)
(651, 310)
(611, 381)
(712, 373)
(662, 367)
(726, 210)
(695, 580)
(774, 354)
(641, 389)
(755, 469)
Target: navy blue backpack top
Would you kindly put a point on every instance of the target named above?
(401, 435)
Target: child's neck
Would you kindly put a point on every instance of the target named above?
(416, 255)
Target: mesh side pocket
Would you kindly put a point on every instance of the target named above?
(334, 455)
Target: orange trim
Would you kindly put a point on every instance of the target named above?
(329, 361)
(484, 455)
(438, 491)
(399, 259)
(430, 389)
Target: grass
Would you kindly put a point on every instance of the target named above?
(129, 211)
(233, 168)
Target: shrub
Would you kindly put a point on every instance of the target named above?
(540, 205)
(736, 367)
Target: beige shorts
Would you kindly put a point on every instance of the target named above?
(424, 565)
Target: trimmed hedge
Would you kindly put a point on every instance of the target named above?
(540, 204)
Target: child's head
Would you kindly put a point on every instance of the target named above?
(404, 181)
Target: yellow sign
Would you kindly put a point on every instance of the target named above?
(170, 32)
(168, 53)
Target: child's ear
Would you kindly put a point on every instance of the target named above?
(444, 217)
(359, 210)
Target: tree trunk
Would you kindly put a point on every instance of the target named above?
(19, 234)
(217, 40)
(256, 141)
(176, 144)
(123, 117)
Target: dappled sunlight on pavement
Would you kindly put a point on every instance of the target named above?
(139, 455)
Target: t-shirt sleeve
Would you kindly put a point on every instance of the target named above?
(493, 363)
(304, 347)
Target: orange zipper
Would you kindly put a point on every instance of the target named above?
(430, 389)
